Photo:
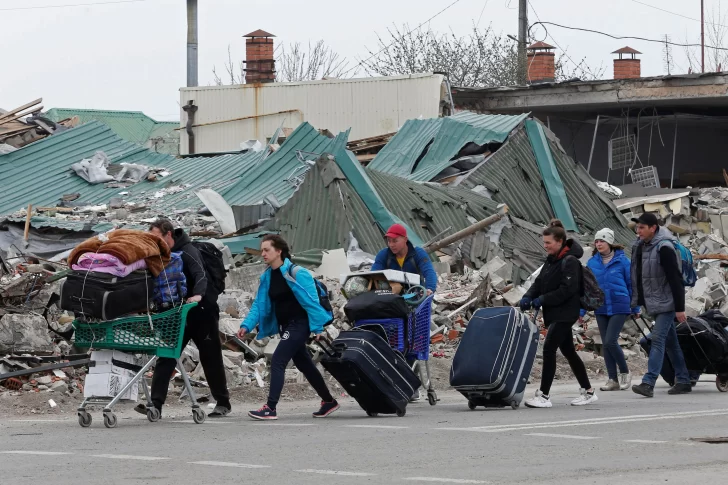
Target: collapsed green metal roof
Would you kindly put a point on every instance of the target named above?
(512, 176)
(422, 149)
(133, 126)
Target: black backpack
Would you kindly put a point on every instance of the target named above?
(321, 289)
(591, 295)
(214, 267)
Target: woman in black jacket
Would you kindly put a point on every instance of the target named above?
(557, 290)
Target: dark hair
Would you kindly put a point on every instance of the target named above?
(556, 230)
(280, 244)
(164, 225)
(613, 247)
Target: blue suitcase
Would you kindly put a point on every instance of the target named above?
(495, 357)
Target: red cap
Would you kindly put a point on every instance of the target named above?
(397, 230)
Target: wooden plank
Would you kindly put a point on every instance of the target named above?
(20, 115)
(27, 221)
(21, 108)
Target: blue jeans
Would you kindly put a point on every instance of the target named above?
(609, 328)
(668, 373)
(664, 339)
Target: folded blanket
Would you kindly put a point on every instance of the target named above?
(106, 263)
(129, 246)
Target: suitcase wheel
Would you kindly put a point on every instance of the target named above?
(372, 415)
(401, 412)
(432, 397)
(721, 384)
(515, 405)
(472, 405)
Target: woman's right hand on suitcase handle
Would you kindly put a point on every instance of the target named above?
(242, 332)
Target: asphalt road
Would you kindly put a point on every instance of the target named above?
(621, 439)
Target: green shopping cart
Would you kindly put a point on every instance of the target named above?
(156, 335)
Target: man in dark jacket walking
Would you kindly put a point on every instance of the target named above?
(657, 279)
(402, 255)
(202, 324)
(557, 290)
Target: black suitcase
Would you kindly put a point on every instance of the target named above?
(370, 371)
(495, 357)
(105, 296)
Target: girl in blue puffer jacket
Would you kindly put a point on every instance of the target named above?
(612, 270)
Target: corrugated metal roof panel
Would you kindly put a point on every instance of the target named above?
(269, 177)
(442, 139)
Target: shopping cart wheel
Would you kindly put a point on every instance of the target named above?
(721, 384)
(198, 416)
(472, 405)
(401, 413)
(153, 414)
(372, 415)
(110, 420)
(84, 419)
(432, 398)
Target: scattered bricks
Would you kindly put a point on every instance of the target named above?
(717, 293)
(13, 384)
(453, 334)
(437, 338)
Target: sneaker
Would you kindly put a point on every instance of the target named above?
(264, 414)
(611, 385)
(680, 388)
(625, 381)
(326, 409)
(417, 396)
(142, 409)
(585, 398)
(540, 400)
(644, 390)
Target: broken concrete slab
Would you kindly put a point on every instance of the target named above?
(514, 296)
(271, 347)
(24, 333)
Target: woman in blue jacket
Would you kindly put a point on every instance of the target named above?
(287, 304)
(612, 270)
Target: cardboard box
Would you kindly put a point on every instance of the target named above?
(109, 385)
(107, 362)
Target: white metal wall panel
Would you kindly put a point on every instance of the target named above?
(369, 106)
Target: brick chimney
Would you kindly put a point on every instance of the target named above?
(541, 63)
(260, 64)
(627, 66)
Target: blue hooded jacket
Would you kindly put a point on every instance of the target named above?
(416, 262)
(305, 291)
(616, 282)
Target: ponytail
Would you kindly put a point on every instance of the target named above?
(556, 230)
(280, 244)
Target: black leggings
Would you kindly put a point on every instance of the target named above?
(293, 347)
(559, 336)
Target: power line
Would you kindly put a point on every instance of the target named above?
(395, 40)
(677, 14)
(39, 7)
(544, 24)
(557, 44)
(481, 14)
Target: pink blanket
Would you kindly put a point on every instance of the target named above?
(106, 263)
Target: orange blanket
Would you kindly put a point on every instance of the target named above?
(129, 246)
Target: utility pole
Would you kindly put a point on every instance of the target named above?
(522, 41)
(702, 35)
(191, 43)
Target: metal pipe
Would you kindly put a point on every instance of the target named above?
(190, 109)
(191, 43)
(502, 211)
(251, 117)
(594, 140)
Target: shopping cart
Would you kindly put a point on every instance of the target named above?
(411, 337)
(158, 335)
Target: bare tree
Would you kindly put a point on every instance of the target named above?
(293, 63)
(479, 59)
(234, 72)
(716, 33)
(567, 69)
(320, 61)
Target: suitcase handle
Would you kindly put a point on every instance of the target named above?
(326, 346)
(82, 300)
(638, 325)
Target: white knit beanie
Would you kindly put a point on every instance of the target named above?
(606, 235)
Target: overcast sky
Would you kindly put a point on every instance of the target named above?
(131, 56)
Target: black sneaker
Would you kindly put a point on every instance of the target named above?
(680, 388)
(264, 414)
(644, 390)
(326, 409)
(142, 409)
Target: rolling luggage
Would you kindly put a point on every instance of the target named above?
(106, 296)
(495, 357)
(378, 377)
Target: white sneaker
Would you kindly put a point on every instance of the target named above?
(538, 401)
(625, 381)
(585, 398)
(417, 396)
